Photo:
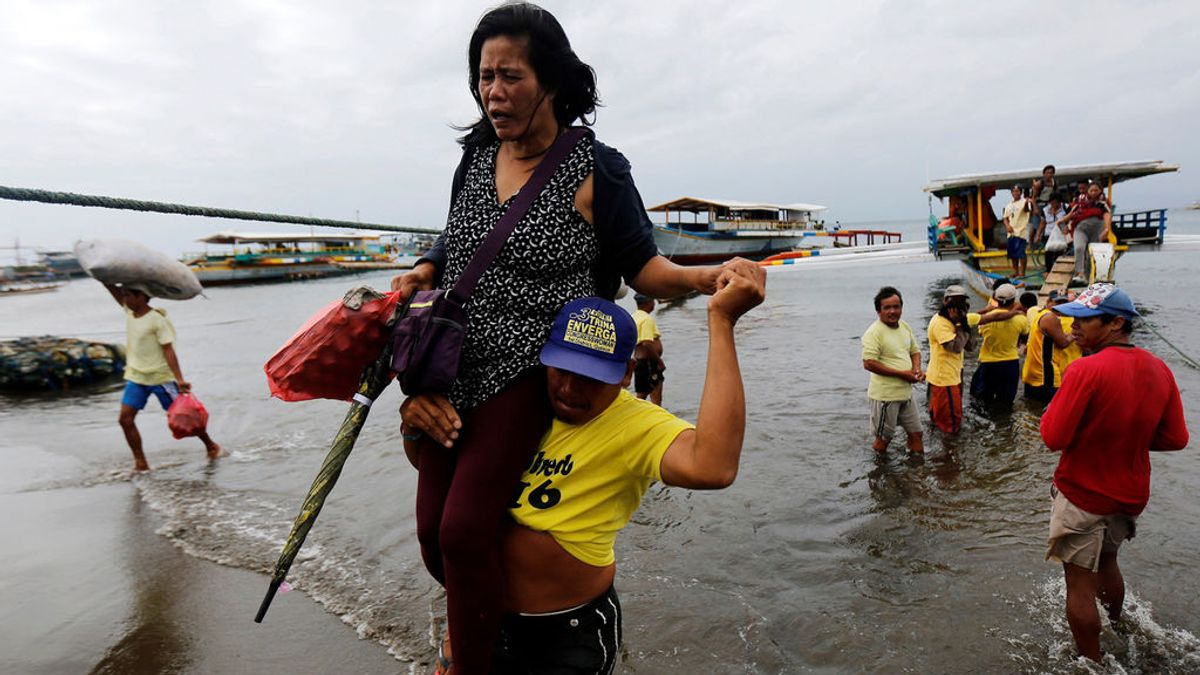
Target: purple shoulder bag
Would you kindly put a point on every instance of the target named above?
(428, 338)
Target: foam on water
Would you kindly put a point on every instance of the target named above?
(390, 604)
(1139, 645)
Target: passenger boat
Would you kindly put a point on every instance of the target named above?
(62, 264)
(730, 228)
(263, 257)
(9, 288)
(973, 233)
(17, 277)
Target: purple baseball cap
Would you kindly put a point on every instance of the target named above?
(591, 337)
(1099, 299)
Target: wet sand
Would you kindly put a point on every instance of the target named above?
(90, 587)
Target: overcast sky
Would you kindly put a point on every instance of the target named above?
(343, 110)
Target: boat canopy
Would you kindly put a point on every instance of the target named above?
(693, 205)
(1114, 172)
(283, 238)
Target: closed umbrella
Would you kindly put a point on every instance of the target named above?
(375, 378)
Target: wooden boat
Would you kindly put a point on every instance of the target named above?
(730, 228)
(970, 231)
(9, 288)
(263, 257)
(62, 264)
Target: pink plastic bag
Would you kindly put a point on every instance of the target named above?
(187, 416)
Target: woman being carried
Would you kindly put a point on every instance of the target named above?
(583, 233)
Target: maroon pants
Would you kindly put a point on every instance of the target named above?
(462, 495)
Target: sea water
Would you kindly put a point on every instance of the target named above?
(822, 557)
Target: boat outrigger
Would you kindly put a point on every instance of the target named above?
(972, 232)
(284, 257)
(731, 228)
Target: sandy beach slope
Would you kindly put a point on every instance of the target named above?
(90, 587)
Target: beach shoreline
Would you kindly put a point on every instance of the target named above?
(91, 586)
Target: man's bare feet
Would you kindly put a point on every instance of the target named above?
(214, 451)
(139, 467)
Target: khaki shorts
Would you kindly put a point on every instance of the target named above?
(1078, 537)
(885, 415)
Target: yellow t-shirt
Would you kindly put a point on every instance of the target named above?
(893, 347)
(1031, 315)
(586, 480)
(1000, 339)
(647, 327)
(1033, 373)
(144, 337)
(945, 366)
(1018, 218)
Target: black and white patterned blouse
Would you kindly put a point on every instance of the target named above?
(546, 262)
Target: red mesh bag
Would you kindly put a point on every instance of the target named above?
(186, 416)
(325, 358)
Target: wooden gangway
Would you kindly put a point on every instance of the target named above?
(1057, 278)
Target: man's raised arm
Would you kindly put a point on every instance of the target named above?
(708, 457)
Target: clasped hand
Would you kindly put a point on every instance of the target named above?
(740, 286)
(432, 415)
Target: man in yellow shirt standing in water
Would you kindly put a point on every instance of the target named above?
(1051, 349)
(999, 369)
(891, 354)
(949, 333)
(648, 373)
(603, 450)
(151, 368)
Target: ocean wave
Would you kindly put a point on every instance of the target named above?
(1138, 645)
(390, 602)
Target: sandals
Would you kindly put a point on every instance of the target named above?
(442, 666)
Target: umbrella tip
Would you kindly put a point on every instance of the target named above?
(266, 603)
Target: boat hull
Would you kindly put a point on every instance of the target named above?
(703, 247)
(223, 276)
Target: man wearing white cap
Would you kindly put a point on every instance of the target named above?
(949, 334)
(1115, 405)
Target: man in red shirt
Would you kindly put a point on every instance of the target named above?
(1115, 406)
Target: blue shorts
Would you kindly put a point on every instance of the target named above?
(136, 394)
(1016, 247)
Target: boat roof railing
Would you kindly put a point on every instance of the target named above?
(1115, 171)
(282, 238)
(694, 205)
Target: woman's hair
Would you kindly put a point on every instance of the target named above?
(559, 70)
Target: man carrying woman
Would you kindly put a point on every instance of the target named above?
(1091, 223)
(604, 449)
(583, 233)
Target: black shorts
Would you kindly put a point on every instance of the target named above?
(646, 375)
(581, 640)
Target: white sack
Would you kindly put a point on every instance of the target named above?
(117, 261)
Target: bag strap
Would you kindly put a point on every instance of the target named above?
(491, 246)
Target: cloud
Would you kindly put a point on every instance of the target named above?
(312, 108)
